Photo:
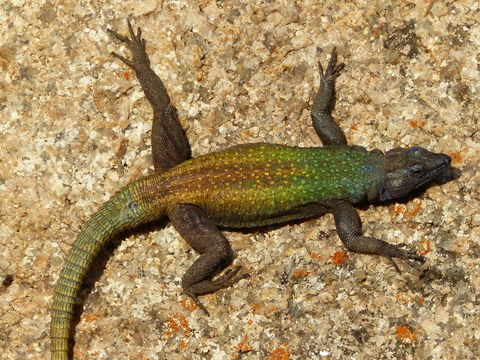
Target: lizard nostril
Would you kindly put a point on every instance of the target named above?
(446, 160)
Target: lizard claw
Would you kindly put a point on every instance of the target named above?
(408, 256)
(197, 301)
(394, 264)
(227, 279)
(333, 69)
(136, 45)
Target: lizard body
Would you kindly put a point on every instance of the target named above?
(242, 186)
(259, 184)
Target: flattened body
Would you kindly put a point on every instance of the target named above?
(258, 184)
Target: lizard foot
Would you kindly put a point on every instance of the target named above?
(333, 69)
(136, 45)
(227, 279)
(408, 256)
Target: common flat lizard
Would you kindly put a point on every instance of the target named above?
(242, 186)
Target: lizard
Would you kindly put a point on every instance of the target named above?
(242, 186)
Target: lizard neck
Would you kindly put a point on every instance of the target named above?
(376, 172)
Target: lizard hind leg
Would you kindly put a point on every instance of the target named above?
(215, 253)
(170, 145)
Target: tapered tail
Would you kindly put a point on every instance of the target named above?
(116, 215)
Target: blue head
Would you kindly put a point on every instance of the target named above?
(409, 169)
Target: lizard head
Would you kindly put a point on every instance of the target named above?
(408, 169)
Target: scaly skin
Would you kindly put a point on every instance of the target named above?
(259, 184)
(243, 186)
(124, 210)
(246, 185)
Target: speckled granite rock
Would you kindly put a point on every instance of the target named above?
(75, 127)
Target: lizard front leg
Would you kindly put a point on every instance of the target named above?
(327, 129)
(215, 252)
(170, 145)
(349, 230)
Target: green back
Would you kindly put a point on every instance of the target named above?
(242, 185)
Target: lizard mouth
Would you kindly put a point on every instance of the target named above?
(446, 173)
(428, 174)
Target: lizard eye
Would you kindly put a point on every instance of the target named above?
(417, 170)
